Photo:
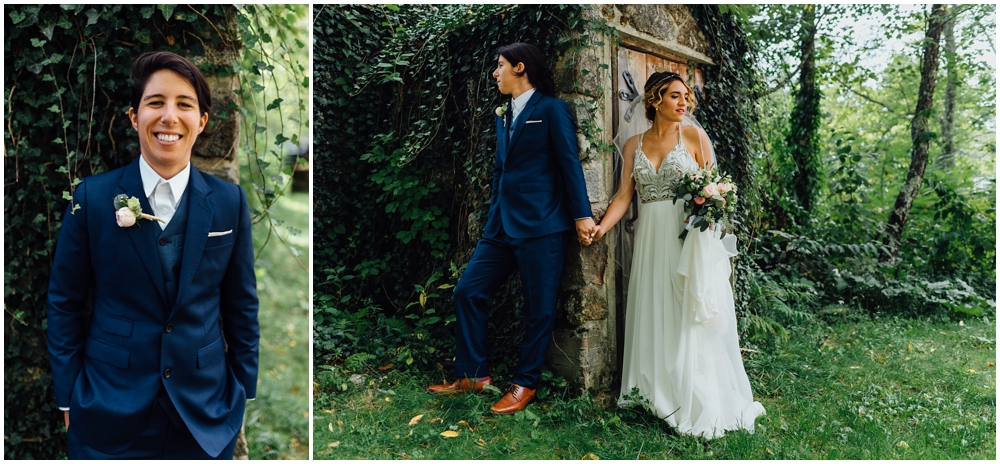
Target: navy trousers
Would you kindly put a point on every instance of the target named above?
(540, 263)
(163, 438)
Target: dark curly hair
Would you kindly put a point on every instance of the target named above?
(149, 63)
(538, 72)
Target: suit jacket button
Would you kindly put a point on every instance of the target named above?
(163, 241)
(166, 374)
(169, 328)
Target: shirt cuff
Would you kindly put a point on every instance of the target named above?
(251, 399)
(63, 409)
(588, 217)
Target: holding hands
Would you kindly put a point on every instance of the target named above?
(587, 231)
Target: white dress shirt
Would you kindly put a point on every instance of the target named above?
(150, 180)
(518, 104)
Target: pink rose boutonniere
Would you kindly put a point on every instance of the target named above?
(128, 211)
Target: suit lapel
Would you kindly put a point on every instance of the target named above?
(199, 223)
(521, 118)
(145, 233)
(502, 137)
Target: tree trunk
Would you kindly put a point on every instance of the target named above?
(803, 136)
(947, 158)
(920, 135)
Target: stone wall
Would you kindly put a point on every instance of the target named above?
(586, 343)
(217, 149)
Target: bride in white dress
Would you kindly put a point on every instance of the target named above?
(681, 343)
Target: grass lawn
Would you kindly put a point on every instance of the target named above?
(878, 388)
(277, 422)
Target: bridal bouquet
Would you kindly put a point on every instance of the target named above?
(709, 198)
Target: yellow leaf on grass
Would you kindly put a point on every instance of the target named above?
(909, 347)
(437, 419)
(333, 445)
(388, 400)
(462, 422)
(449, 434)
(481, 442)
(416, 419)
(330, 426)
(591, 456)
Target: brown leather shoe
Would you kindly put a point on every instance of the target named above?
(516, 399)
(461, 386)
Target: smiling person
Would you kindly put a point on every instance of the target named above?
(539, 198)
(681, 351)
(164, 364)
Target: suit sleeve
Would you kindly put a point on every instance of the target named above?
(562, 135)
(239, 305)
(497, 172)
(69, 284)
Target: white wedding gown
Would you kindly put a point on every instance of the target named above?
(681, 345)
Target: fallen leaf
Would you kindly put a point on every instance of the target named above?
(961, 324)
(449, 434)
(330, 426)
(989, 364)
(902, 444)
(462, 422)
(416, 419)
(386, 367)
(333, 445)
(388, 400)
(481, 442)
(437, 419)
(591, 456)
(340, 422)
(972, 371)
(909, 347)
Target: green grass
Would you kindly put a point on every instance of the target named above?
(277, 422)
(850, 389)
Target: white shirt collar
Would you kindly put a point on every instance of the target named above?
(518, 103)
(150, 179)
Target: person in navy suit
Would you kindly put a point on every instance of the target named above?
(163, 362)
(538, 198)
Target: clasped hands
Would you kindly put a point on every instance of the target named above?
(587, 231)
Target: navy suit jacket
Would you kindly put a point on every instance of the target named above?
(109, 368)
(538, 184)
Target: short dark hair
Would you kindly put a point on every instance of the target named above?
(654, 88)
(150, 62)
(539, 73)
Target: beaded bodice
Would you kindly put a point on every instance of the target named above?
(659, 185)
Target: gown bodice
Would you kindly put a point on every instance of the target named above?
(658, 185)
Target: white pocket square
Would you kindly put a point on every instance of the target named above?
(217, 234)
(532, 122)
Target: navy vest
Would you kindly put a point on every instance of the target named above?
(171, 247)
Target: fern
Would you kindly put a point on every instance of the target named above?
(358, 360)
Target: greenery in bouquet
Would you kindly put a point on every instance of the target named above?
(709, 198)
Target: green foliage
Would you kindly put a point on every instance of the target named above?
(273, 96)
(67, 94)
(947, 259)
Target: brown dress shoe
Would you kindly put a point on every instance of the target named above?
(461, 385)
(516, 399)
